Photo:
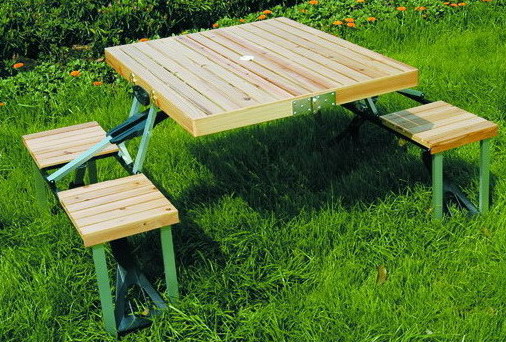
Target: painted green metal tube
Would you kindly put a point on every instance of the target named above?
(437, 185)
(484, 175)
(169, 263)
(104, 288)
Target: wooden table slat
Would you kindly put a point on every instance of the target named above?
(287, 85)
(237, 76)
(237, 69)
(309, 59)
(329, 49)
(225, 77)
(346, 44)
(269, 59)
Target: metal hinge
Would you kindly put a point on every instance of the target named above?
(310, 105)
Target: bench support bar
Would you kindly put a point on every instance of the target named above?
(484, 175)
(437, 185)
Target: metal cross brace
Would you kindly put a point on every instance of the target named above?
(138, 123)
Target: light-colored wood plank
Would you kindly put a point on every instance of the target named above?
(170, 102)
(288, 64)
(121, 201)
(326, 48)
(67, 136)
(138, 207)
(129, 225)
(110, 198)
(346, 44)
(195, 80)
(216, 72)
(91, 191)
(483, 130)
(233, 67)
(288, 84)
(269, 59)
(378, 86)
(182, 86)
(60, 130)
(119, 212)
(440, 126)
(310, 60)
(66, 157)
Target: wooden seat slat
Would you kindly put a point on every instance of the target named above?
(133, 205)
(52, 132)
(60, 146)
(440, 126)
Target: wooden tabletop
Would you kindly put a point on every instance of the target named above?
(236, 76)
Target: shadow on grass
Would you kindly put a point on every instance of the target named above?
(288, 165)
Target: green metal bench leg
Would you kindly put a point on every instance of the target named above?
(40, 187)
(92, 171)
(169, 263)
(484, 175)
(104, 289)
(437, 185)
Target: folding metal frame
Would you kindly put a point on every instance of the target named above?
(366, 110)
(118, 314)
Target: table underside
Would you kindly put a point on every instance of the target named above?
(237, 76)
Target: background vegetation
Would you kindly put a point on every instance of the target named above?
(281, 234)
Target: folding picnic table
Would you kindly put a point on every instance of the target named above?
(232, 77)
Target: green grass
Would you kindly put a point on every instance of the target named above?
(281, 235)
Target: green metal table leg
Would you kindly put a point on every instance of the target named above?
(169, 263)
(104, 289)
(437, 185)
(92, 171)
(484, 175)
(40, 188)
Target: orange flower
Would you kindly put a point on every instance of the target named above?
(242, 20)
(97, 83)
(453, 5)
(2, 104)
(261, 17)
(216, 25)
(349, 20)
(462, 4)
(18, 65)
(360, 1)
(143, 39)
(420, 8)
(313, 2)
(267, 12)
(351, 25)
(446, 3)
(371, 19)
(337, 22)
(401, 8)
(75, 73)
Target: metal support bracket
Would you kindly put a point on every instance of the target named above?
(130, 316)
(310, 105)
(136, 125)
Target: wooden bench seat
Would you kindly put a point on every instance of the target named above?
(440, 126)
(118, 208)
(59, 146)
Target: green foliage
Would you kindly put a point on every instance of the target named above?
(50, 28)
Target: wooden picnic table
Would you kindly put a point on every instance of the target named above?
(237, 76)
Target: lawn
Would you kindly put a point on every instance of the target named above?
(281, 234)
